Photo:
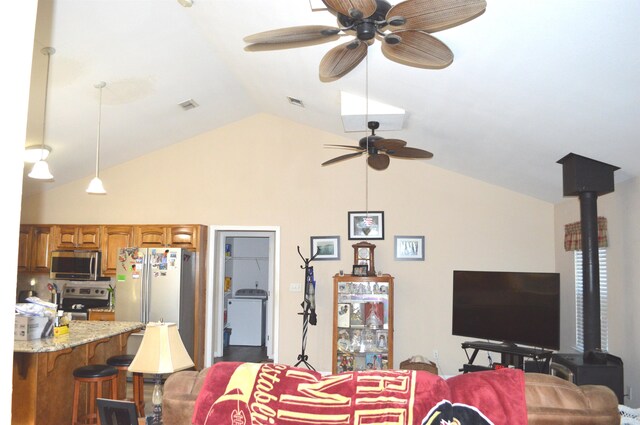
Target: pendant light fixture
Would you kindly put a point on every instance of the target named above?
(40, 170)
(95, 186)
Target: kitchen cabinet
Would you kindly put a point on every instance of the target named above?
(113, 238)
(102, 315)
(175, 236)
(24, 248)
(35, 245)
(43, 369)
(77, 237)
(150, 236)
(186, 236)
(362, 323)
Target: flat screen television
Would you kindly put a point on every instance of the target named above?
(510, 307)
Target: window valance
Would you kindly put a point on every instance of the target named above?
(573, 235)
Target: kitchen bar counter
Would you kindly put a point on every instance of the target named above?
(80, 332)
(43, 369)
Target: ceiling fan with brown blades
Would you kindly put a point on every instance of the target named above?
(404, 30)
(379, 150)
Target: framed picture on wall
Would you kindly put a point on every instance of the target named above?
(327, 247)
(366, 224)
(409, 248)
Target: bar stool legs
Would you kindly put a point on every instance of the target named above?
(138, 393)
(94, 376)
(122, 363)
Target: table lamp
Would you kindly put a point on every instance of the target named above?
(161, 351)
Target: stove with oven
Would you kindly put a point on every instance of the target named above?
(78, 298)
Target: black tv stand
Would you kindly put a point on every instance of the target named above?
(511, 355)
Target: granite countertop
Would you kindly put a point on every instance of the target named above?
(80, 332)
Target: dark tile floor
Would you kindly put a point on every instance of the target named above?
(243, 353)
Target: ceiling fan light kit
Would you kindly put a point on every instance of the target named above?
(40, 170)
(95, 185)
(404, 31)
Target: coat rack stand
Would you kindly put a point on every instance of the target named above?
(308, 307)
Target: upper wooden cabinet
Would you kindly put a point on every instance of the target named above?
(24, 248)
(37, 241)
(77, 237)
(34, 252)
(150, 236)
(184, 236)
(41, 246)
(113, 238)
(176, 236)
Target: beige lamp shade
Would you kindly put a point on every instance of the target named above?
(161, 350)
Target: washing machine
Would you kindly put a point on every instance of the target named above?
(246, 316)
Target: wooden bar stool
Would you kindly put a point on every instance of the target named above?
(95, 375)
(122, 363)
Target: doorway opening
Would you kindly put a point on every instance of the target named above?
(242, 300)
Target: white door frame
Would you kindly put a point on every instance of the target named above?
(215, 287)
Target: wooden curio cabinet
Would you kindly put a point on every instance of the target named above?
(362, 323)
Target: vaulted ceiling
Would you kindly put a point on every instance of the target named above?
(531, 81)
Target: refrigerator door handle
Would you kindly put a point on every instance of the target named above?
(147, 288)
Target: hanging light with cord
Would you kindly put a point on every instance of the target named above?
(40, 170)
(95, 186)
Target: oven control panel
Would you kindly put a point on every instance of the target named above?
(86, 292)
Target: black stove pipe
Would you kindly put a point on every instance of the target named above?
(590, 271)
(587, 179)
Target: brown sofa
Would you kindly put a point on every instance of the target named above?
(550, 400)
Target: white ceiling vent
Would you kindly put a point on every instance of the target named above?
(295, 102)
(188, 104)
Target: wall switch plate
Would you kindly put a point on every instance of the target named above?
(295, 287)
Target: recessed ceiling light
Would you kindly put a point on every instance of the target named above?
(186, 3)
(35, 153)
(296, 102)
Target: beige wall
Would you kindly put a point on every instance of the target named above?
(623, 275)
(265, 171)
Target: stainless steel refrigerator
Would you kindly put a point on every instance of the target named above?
(154, 284)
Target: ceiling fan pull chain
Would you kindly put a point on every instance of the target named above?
(366, 116)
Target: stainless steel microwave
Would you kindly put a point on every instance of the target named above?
(75, 265)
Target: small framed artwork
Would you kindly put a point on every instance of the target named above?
(360, 270)
(326, 247)
(409, 248)
(366, 225)
(117, 412)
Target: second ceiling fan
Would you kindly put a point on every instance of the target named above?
(404, 31)
(379, 150)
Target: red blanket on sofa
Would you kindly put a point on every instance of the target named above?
(274, 394)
